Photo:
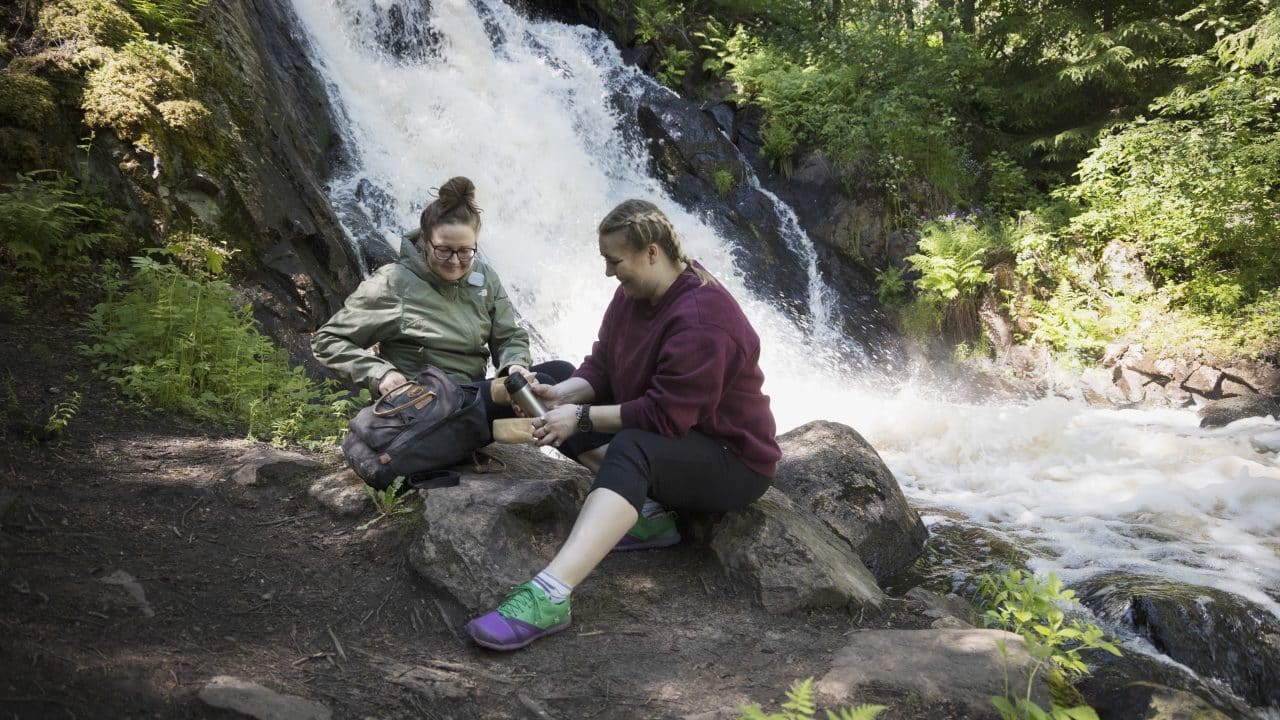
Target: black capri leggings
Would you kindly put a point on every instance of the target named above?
(694, 472)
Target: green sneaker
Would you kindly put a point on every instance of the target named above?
(649, 533)
(526, 615)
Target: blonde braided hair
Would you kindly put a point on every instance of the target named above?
(642, 224)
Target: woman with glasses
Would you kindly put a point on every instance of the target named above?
(438, 305)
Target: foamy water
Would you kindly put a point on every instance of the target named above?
(529, 120)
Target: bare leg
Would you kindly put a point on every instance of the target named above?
(605, 517)
(592, 458)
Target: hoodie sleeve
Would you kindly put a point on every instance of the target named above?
(508, 342)
(371, 314)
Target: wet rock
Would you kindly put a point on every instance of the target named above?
(265, 464)
(692, 155)
(250, 698)
(1148, 701)
(1120, 688)
(789, 560)
(950, 607)
(829, 470)
(1217, 413)
(1266, 442)
(962, 668)
(1215, 633)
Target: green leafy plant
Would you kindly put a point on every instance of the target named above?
(891, 286)
(799, 705)
(717, 44)
(675, 63)
(170, 19)
(185, 343)
(388, 503)
(952, 258)
(1026, 605)
(62, 414)
(724, 181)
(48, 224)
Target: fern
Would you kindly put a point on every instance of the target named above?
(799, 705)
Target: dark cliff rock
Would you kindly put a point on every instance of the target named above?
(307, 267)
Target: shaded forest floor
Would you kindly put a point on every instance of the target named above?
(262, 583)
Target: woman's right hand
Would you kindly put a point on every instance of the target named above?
(389, 381)
(548, 394)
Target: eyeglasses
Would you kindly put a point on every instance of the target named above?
(443, 254)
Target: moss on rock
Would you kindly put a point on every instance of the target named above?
(24, 150)
(26, 101)
(87, 23)
(124, 94)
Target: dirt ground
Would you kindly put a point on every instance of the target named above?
(262, 583)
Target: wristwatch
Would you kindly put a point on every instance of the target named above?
(584, 418)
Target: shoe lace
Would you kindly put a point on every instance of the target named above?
(520, 602)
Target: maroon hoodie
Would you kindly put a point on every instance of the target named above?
(690, 362)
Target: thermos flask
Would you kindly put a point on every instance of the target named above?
(522, 394)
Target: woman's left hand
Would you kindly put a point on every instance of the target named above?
(558, 425)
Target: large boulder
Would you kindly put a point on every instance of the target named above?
(1213, 632)
(1217, 413)
(791, 561)
(829, 470)
(493, 531)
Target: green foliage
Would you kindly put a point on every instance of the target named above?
(26, 101)
(718, 45)
(673, 67)
(1195, 193)
(725, 182)
(47, 224)
(952, 258)
(389, 503)
(799, 705)
(185, 343)
(87, 23)
(62, 414)
(171, 20)
(1024, 604)
(1070, 322)
(891, 286)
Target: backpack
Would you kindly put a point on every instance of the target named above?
(417, 428)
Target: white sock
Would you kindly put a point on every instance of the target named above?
(652, 509)
(554, 587)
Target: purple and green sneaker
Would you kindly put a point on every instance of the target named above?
(647, 533)
(526, 615)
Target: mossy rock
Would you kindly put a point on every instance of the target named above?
(24, 150)
(87, 23)
(125, 92)
(188, 117)
(26, 101)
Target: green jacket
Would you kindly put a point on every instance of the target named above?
(415, 318)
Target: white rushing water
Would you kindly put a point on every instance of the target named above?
(530, 122)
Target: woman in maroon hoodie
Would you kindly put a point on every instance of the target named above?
(666, 410)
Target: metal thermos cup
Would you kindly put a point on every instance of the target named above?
(521, 394)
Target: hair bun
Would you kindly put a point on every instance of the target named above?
(459, 191)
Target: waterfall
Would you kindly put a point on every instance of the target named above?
(524, 109)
